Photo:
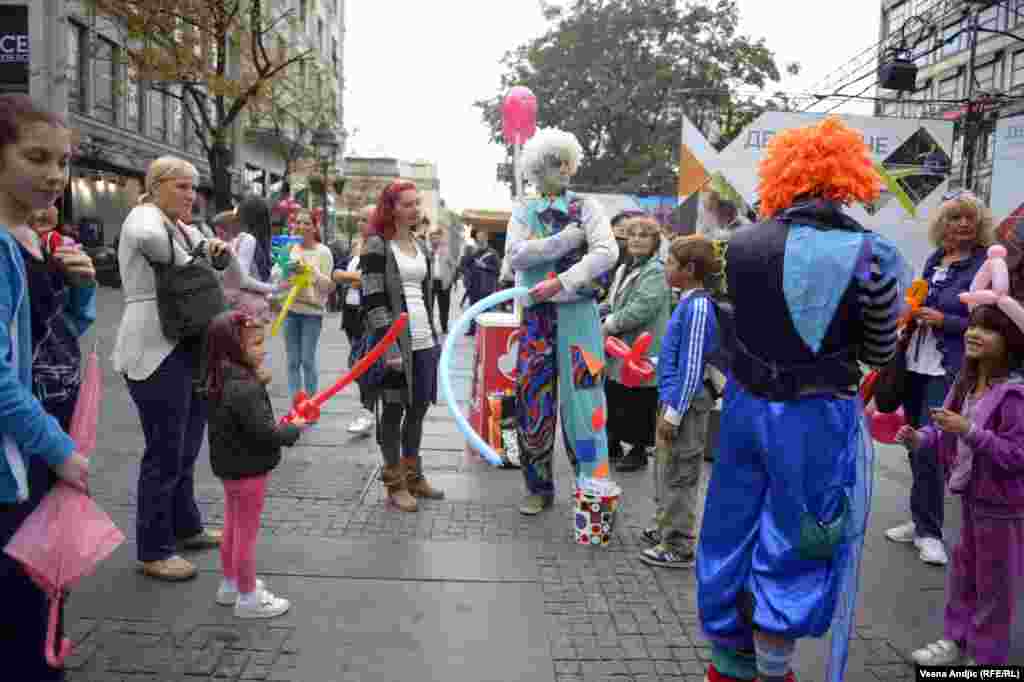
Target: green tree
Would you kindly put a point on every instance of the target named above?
(293, 106)
(621, 74)
(217, 57)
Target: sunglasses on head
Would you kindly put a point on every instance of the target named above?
(962, 195)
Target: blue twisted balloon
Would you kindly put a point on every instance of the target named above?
(458, 331)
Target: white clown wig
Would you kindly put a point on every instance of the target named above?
(545, 143)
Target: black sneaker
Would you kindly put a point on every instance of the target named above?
(666, 557)
(634, 461)
(652, 536)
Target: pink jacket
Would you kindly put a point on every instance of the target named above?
(996, 440)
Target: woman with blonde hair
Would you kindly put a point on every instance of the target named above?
(933, 342)
(163, 375)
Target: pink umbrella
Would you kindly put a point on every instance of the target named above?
(68, 535)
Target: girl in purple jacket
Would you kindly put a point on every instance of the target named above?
(979, 437)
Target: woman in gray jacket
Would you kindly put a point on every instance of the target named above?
(640, 301)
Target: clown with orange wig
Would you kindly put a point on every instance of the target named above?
(815, 295)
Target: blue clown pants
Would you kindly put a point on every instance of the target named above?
(785, 473)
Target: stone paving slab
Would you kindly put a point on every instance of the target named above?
(551, 611)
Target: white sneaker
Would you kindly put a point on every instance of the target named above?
(265, 605)
(361, 425)
(942, 652)
(932, 551)
(227, 596)
(903, 533)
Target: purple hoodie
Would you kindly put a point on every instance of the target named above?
(996, 441)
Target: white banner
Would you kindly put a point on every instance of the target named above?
(1007, 173)
(914, 154)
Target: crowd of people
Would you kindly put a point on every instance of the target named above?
(790, 313)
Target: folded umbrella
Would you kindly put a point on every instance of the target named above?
(67, 535)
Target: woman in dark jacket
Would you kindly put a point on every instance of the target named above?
(934, 342)
(396, 275)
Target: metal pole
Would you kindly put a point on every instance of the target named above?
(970, 125)
(516, 154)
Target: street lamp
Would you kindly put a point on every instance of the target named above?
(325, 145)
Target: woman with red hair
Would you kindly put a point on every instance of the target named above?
(396, 276)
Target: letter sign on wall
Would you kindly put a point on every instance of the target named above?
(14, 48)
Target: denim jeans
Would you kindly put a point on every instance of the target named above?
(301, 336)
(928, 490)
(173, 420)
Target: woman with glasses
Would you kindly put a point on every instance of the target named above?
(933, 342)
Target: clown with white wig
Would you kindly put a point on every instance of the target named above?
(560, 245)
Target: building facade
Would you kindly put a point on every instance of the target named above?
(365, 178)
(77, 67)
(938, 34)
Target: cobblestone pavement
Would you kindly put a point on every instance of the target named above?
(610, 617)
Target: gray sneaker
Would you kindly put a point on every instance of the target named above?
(666, 557)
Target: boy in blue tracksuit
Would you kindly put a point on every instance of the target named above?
(686, 404)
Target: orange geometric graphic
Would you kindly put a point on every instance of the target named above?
(692, 175)
(598, 419)
(601, 471)
(593, 364)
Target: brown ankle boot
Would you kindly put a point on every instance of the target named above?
(417, 483)
(393, 477)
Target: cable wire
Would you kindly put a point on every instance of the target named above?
(938, 21)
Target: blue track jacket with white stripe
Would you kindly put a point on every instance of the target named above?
(691, 335)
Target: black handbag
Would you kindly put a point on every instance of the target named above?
(189, 295)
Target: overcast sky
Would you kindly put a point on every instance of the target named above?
(414, 69)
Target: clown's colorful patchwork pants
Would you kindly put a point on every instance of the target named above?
(561, 346)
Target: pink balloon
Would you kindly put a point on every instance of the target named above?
(884, 426)
(519, 115)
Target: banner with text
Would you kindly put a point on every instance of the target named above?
(913, 156)
(14, 48)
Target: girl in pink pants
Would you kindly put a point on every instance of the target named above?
(245, 446)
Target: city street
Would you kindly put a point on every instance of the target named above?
(465, 589)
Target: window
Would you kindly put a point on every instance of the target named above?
(896, 17)
(1016, 12)
(177, 123)
(106, 63)
(1017, 69)
(985, 77)
(133, 101)
(157, 114)
(76, 80)
(949, 88)
(990, 18)
(954, 38)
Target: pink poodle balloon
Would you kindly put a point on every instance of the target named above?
(519, 115)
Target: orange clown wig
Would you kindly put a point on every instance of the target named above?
(827, 160)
